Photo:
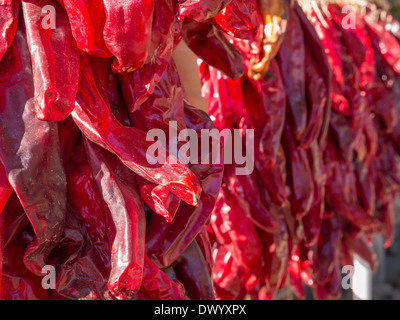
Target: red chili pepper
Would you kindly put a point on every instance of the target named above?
(246, 190)
(265, 107)
(86, 200)
(119, 190)
(317, 98)
(157, 285)
(200, 10)
(228, 276)
(291, 60)
(87, 19)
(225, 99)
(5, 188)
(132, 21)
(211, 45)
(330, 41)
(239, 19)
(93, 116)
(276, 258)
(17, 282)
(9, 12)
(295, 280)
(316, 47)
(313, 219)
(365, 188)
(31, 156)
(324, 252)
(159, 199)
(55, 60)
(166, 241)
(191, 269)
(384, 43)
(137, 86)
(299, 176)
(363, 249)
(203, 239)
(271, 167)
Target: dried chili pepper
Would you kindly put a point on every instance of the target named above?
(239, 19)
(211, 45)
(200, 10)
(128, 21)
(31, 154)
(9, 12)
(291, 60)
(55, 60)
(166, 241)
(87, 19)
(94, 117)
(119, 190)
(192, 270)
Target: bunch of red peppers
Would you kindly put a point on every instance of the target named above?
(82, 82)
(326, 134)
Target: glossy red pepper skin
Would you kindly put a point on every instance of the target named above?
(166, 241)
(5, 188)
(204, 241)
(316, 47)
(271, 167)
(163, 106)
(159, 199)
(55, 60)
(115, 97)
(299, 176)
(87, 19)
(352, 58)
(242, 274)
(341, 192)
(317, 101)
(200, 10)
(80, 271)
(325, 253)
(276, 259)
(241, 236)
(29, 151)
(227, 276)
(138, 86)
(247, 192)
(17, 282)
(333, 50)
(191, 269)
(9, 14)
(365, 188)
(224, 96)
(313, 219)
(119, 190)
(363, 249)
(211, 45)
(86, 200)
(295, 280)
(93, 116)
(128, 21)
(384, 43)
(239, 19)
(377, 94)
(265, 107)
(157, 285)
(291, 60)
